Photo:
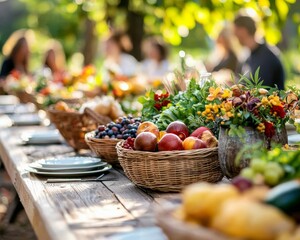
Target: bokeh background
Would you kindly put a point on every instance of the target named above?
(81, 25)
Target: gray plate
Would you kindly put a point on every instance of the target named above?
(67, 169)
(68, 162)
(69, 174)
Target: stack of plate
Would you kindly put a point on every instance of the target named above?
(19, 108)
(51, 136)
(68, 166)
(25, 119)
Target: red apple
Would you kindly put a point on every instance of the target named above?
(178, 128)
(148, 127)
(145, 141)
(193, 143)
(209, 139)
(199, 131)
(170, 142)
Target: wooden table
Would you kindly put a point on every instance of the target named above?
(90, 210)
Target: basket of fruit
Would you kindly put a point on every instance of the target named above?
(227, 212)
(73, 125)
(103, 140)
(167, 161)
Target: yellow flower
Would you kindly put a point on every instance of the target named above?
(229, 114)
(214, 93)
(226, 93)
(265, 101)
(227, 106)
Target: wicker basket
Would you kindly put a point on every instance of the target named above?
(104, 148)
(176, 229)
(74, 125)
(25, 97)
(170, 171)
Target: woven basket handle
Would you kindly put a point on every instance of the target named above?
(97, 117)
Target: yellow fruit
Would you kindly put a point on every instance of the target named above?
(202, 201)
(248, 219)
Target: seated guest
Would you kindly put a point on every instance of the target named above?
(155, 65)
(117, 59)
(17, 59)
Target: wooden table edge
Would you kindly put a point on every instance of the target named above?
(37, 211)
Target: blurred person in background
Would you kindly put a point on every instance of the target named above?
(155, 64)
(54, 60)
(117, 59)
(224, 56)
(17, 58)
(262, 55)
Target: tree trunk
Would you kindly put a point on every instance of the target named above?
(90, 42)
(136, 32)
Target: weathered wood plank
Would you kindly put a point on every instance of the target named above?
(46, 221)
(91, 210)
(135, 200)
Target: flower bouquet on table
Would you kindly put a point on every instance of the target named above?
(88, 81)
(20, 85)
(246, 113)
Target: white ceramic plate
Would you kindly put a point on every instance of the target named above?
(69, 169)
(294, 139)
(25, 119)
(68, 162)
(19, 108)
(8, 100)
(69, 174)
(42, 137)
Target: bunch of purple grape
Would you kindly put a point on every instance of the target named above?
(123, 128)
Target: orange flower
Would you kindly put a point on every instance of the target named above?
(214, 93)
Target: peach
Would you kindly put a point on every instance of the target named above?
(145, 141)
(178, 128)
(209, 139)
(193, 143)
(161, 134)
(170, 142)
(148, 127)
(199, 131)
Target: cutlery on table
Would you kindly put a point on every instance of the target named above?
(62, 180)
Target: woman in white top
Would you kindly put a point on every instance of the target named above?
(117, 60)
(155, 65)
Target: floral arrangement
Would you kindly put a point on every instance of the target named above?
(16, 81)
(248, 105)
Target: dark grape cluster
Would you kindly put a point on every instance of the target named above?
(123, 128)
(129, 143)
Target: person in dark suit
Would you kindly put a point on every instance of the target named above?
(262, 55)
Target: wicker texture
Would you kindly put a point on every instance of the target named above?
(176, 229)
(74, 125)
(25, 97)
(103, 148)
(170, 171)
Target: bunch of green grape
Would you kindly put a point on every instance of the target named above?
(271, 172)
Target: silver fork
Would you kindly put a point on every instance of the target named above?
(62, 180)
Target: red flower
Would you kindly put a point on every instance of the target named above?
(165, 103)
(166, 95)
(156, 97)
(16, 74)
(157, 106)
(279, 110)
(269, 129)
(45, 91)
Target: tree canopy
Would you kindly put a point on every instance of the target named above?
(173, 19)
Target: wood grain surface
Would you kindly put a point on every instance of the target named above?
(86, 210)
